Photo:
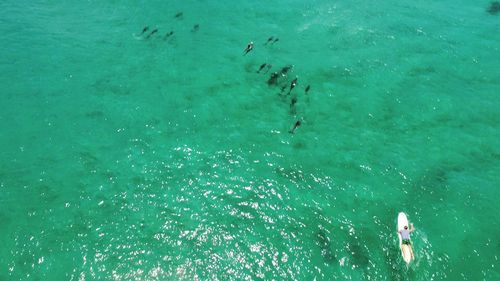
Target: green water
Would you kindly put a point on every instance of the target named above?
(126, 158)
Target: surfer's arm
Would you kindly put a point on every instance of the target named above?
(412, 228)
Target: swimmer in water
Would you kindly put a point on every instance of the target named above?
(292, 85)
(273, 80)
(269, 40)
(196, 27)
(152, 33)
(248, 48)
(268, 67)
(295, 126)
(276, 40)
(293, 108)
(146, 28)
(282, 89)
(285, 69)
(308, 88)
(168, 35)
(261, 67)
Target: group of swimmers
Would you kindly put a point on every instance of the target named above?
(169, 34)
(275, 76)
(273, 79)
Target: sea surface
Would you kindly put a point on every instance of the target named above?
(138, 156)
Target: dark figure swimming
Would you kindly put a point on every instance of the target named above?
(152, 33)
(268, 67)
(196, 27)
(308, 88)
(179, 15)
(297, 124)
(276, 40)
(293, 102)
(168, 35)
(285, 69)
(248, 48)
(146, 28)
(261, 67)
(273, 80)
(283, 89)
(293, 109)
(292, 85)
(494, 8)
(269, 40)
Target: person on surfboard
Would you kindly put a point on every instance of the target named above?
(405, 234)
(405, 237)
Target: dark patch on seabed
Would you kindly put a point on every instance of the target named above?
(360, 255)
(88, 160)
(494, 8)
(323, 240)
(292, 174)
(95, 114)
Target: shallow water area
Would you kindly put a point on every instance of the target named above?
(139, 156)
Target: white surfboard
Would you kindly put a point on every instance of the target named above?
(406, 250)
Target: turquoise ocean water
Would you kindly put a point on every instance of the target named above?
(134, 158)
